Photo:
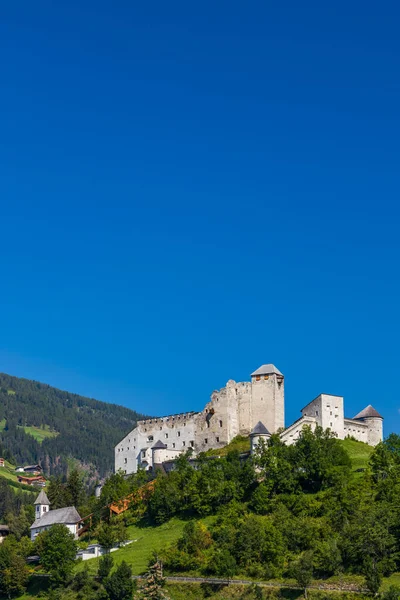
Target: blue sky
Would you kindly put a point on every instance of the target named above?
(189, 191)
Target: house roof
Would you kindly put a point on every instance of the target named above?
(42, 498)
(369, 411)
(63, 516)
(260, 429)
(159, 444)
(36, 467)
(267, 370)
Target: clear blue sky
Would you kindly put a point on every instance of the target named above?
(189, 190)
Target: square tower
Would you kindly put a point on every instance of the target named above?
(328, 412)
(268, 398)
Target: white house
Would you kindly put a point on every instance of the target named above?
(45, 518)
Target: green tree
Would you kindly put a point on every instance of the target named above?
(19, 523)
(223, 564)
(106, 536)
(303, 571)
(13, 572)
(373, 576)
(119, 585)
(105, 565)
(75, 490)
(154, 582)
(57, 550)
(56, 493)
(393, 593)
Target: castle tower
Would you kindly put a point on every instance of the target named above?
(42, 505)
(260, 432)
(268, 397)
(158, 453)
(374, 420)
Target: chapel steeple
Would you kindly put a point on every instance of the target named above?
(42, 505)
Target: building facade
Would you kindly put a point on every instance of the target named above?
(237, 409)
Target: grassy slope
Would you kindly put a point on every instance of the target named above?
(359, 453)
(8, 472)
(148, 539)
(40, 434)
(239, 443)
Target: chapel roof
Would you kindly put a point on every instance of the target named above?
(159, 444)
(268, 369)
(42, 498)
(260, 429)
(368, 411)
(68, 515)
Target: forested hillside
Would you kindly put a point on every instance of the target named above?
(39, 423)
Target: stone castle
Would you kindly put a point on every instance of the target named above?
(253, 408)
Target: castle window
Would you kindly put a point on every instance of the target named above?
(258, 377)
(150, 438)
(183, 443)
(331, 412)
(217, 439)
(178, 433)
(160, 428)
(205, 440)
(144, 454)
(125, 461)
(128, 448)
(316, 413)
(331, 424)
(266, 377)
(173, 444)
(166, 435)
(220, 423)
(192, 443)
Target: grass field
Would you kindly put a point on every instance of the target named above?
(359, 453)
(9, 472)
(40, 434)
(239, 443)
(147, 540)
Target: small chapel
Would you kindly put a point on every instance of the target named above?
(45, 518)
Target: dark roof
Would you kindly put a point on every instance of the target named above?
(260, 429)
(34, 467)
(369, 411)
(4, 528)
(42, 498)
(267, 370)
(68, 515)
(159, 444)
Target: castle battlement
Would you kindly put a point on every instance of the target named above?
(166, 418)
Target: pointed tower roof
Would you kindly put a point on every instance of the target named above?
(267, 370)
(159, 444)
(260, 429)
(369, 411)
(42, 498)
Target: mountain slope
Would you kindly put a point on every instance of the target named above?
(39, 423)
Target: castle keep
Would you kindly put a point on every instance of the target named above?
(255, 408)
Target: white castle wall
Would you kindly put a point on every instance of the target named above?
(234, 410)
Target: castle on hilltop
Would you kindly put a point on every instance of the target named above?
(253, 408)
